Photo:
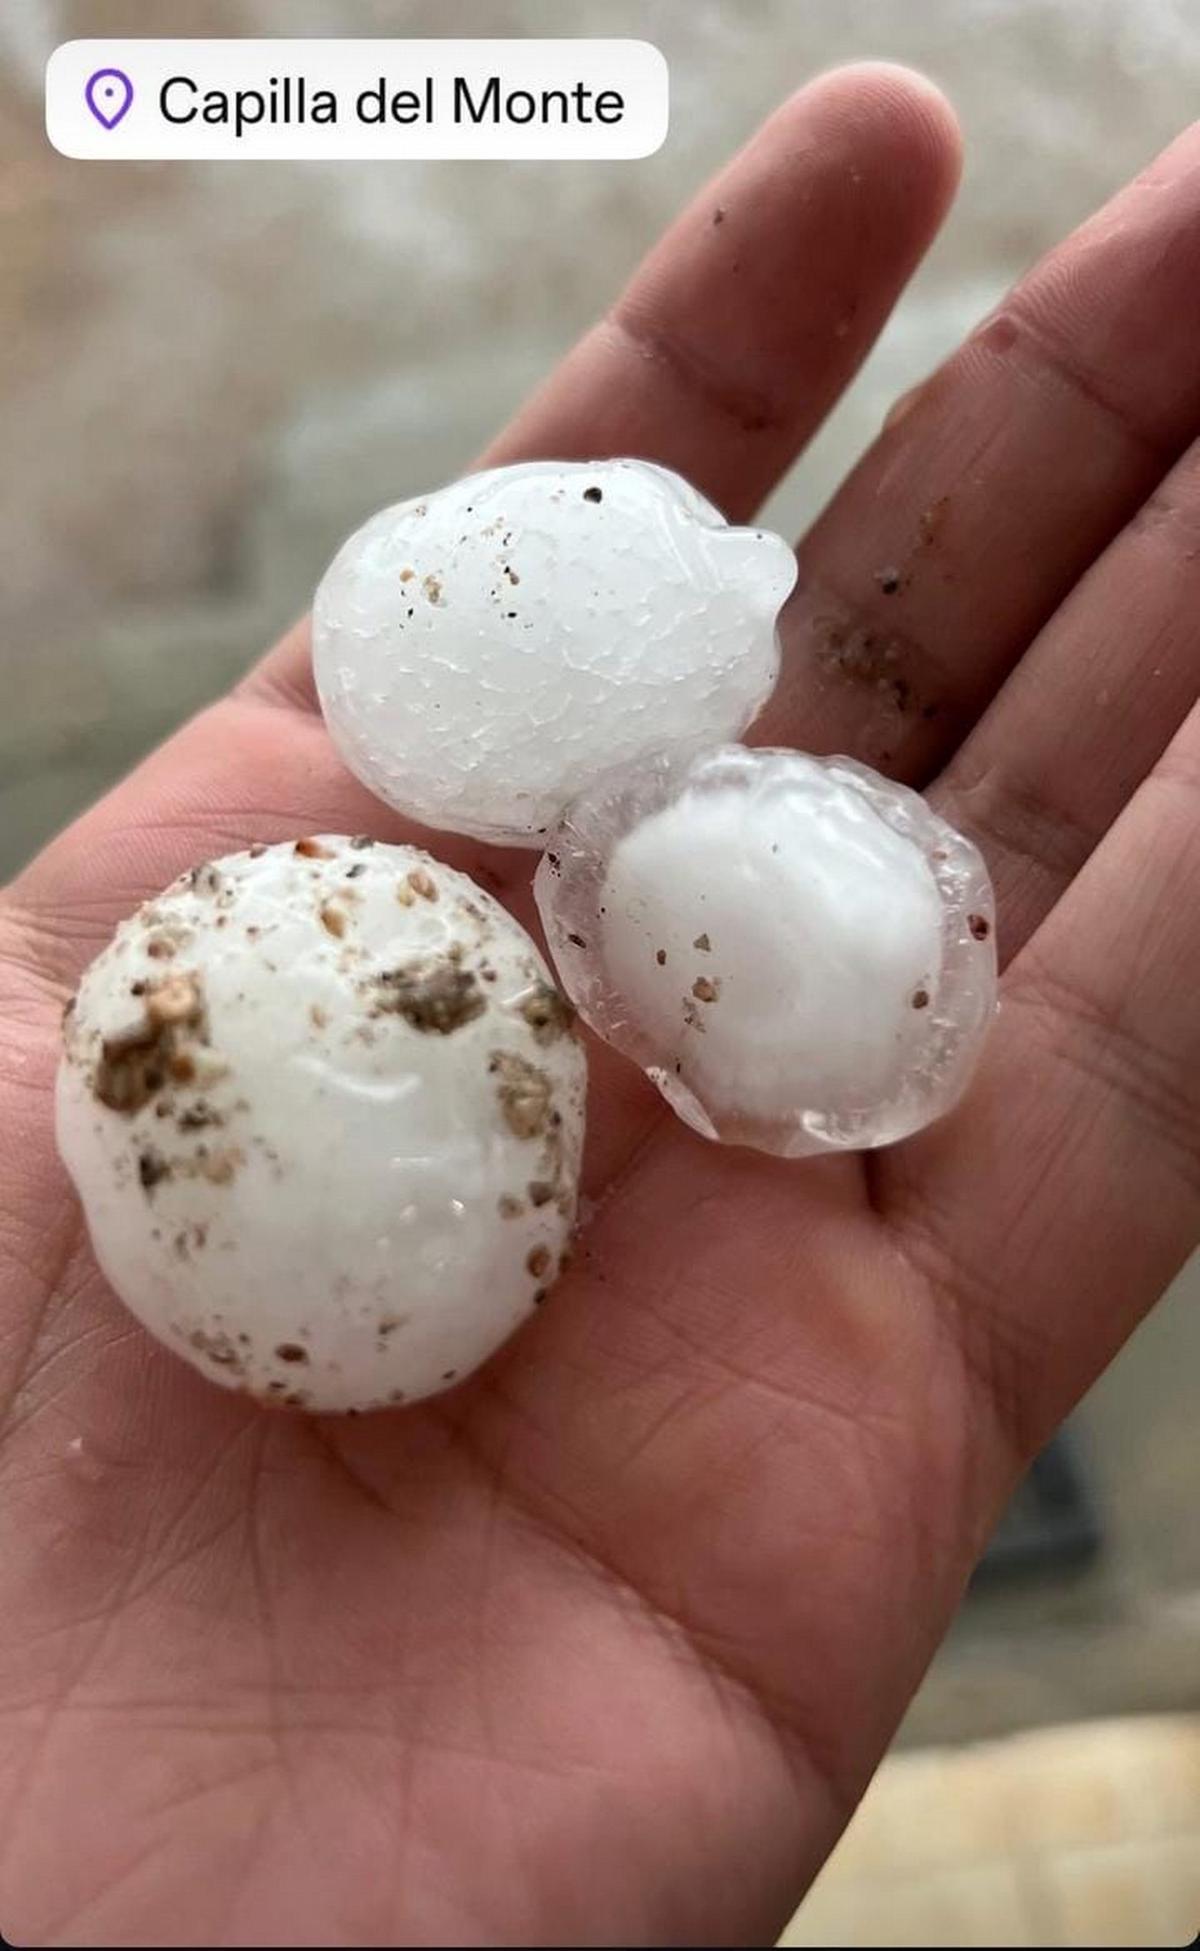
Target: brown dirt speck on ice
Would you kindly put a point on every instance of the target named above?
(437, 998)
(548, 1014)
(152, 1168)
(524, 1094)
(219, 1167)
(134, 1064)
(217, 1346)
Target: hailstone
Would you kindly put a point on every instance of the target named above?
(324, 1108)
(482, 653)
(798, 951)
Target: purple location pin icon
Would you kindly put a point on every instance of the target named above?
(109, 94)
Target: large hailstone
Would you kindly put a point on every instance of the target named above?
(483, 653)
(797, 950)
(324, 1109)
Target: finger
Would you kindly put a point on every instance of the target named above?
(745, 323)
(742, 327)
(1065, 1195)
(994, 487)
(1087, 712)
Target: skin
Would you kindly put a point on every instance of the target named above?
(605, 1645)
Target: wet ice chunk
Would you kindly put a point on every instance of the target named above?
(798, 951)
(324, 1110)
(483, 653)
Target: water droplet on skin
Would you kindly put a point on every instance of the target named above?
(85, 1464)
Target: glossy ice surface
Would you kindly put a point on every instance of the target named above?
(483, 652)
(799, 952)
(324, 1110)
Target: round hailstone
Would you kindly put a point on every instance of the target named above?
(483, 653)
(797, 951)
(324, 1110)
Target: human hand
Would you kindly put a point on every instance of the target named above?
(604, 1645)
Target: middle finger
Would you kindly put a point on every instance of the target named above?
(992, 489)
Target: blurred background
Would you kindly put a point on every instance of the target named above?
(210, 373)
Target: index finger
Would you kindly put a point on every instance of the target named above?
(743, 325)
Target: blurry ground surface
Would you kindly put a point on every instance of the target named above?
(209, 374)
(1071, 1836)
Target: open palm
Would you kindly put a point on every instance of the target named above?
(604, 1645)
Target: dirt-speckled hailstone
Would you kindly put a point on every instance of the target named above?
(798, 951)
(324, 1108)
(483, 653)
